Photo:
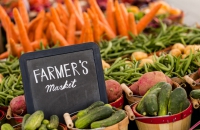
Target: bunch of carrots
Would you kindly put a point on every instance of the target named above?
(62, 23)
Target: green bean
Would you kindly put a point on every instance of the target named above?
(107, 49)
(188, 62)
(117, 74)
(162, 67)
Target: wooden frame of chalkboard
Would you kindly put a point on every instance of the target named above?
(64, 79)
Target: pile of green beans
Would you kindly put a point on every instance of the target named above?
(129, 72)
(11, 84)
(157, 39)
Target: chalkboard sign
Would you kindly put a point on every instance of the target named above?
(65, 79)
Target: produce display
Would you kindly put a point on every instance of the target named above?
(146, 48)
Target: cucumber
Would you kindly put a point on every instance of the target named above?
(85, 111)
(177, 100)
(43, 127)
(140, 105)
(45, 121)
(26, 116)
(34, 121)
(95, 114)
(54, 122)
(116, 117)
(163, 99)
(150, 102)
(6, 126)
(195, 94)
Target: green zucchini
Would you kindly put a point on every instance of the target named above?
(177, 100)
(6, 126)
(26, 116)
(95, 114)
(85, 111)
(43, 127)
(163, 99)
(150, 102)
(53, 122)
(195, 94)
(34, 121)
(140, 105)
(116, 117)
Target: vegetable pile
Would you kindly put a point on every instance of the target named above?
(98, 115)
(160, 100)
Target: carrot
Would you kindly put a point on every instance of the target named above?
(121, 25)
(88, 30)
(78, 7)
(56, 21)
(62, 14)
(14, 32)
(22, 31)
(13, 48)
(57, 37)
(96, 26)
(110, 17)
(39, 29)
(100, 14)
(71, 29)
(144, 21)
(4, 55)
(33, 23)
(124, 13)
(132, 24)
(72, 10)
(23, 11)
(8, 28)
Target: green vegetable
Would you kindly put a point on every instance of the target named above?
(116, 117)
(178, 101)
(95, 114)
(195, 94)
(140, 106)
(150, 102)
(45, 121)
(6, 126)
(34, 121)
(54, 122)
(26, 116)
(163, 99)
(85, 111)
(43, 127)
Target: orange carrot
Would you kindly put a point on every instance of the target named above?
(65, 16)
(4, 55)
(23, 11)
(96, 26)
(31, 36)
(14, 32)
(33, 23)
(109, 33)
(22, 31)
(121, 25)
(100, 14)
(57, 37)
(132, 24)
(39, 29)
(78, 7)
(144, 21)
(72, 10)
(71, 29)
(56, 21)
(124, 13)
(110, 15)
(88, 30)
(13, 48)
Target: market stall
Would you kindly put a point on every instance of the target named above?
(103, 65)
